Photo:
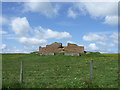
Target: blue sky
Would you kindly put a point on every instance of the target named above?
(26, 26)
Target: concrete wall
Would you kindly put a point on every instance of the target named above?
(71, 54)
(47, 54)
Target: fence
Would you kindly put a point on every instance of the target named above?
(48, 71)
(21, 71)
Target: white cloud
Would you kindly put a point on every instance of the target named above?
(2, 46)
(31, 48)
(111, 20)
(14, 50)
(72, 13)
(102, 38)
(57, 35)
(3, 32)
(30, 38)
(37, 36)
(115, 35)
(44, 8)
(107, 10)
(105, 41)
(3, 20)
(100, 9)
(93, 37)
(51, 34)
(74, 43)
(70, 42)
(93, 47)
(114, 38)
(32, 41)
(20, 26)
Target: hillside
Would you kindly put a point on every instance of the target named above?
(60, 71)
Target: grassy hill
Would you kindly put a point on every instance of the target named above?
(60, 71)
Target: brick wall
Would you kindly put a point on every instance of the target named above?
(57, 47)
(54, 45)
(74, 48)
(51, 49)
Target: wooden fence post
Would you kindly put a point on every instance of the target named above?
(91, 69)
(21, 72)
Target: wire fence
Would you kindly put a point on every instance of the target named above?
(57, 73)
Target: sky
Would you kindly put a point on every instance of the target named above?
(28, 25)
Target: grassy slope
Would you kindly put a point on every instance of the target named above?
(60, 71)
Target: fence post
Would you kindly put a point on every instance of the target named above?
(21, 72)
(91, 69)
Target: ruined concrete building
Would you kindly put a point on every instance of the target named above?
(57, 47)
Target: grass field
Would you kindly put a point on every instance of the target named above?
(60, 71)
